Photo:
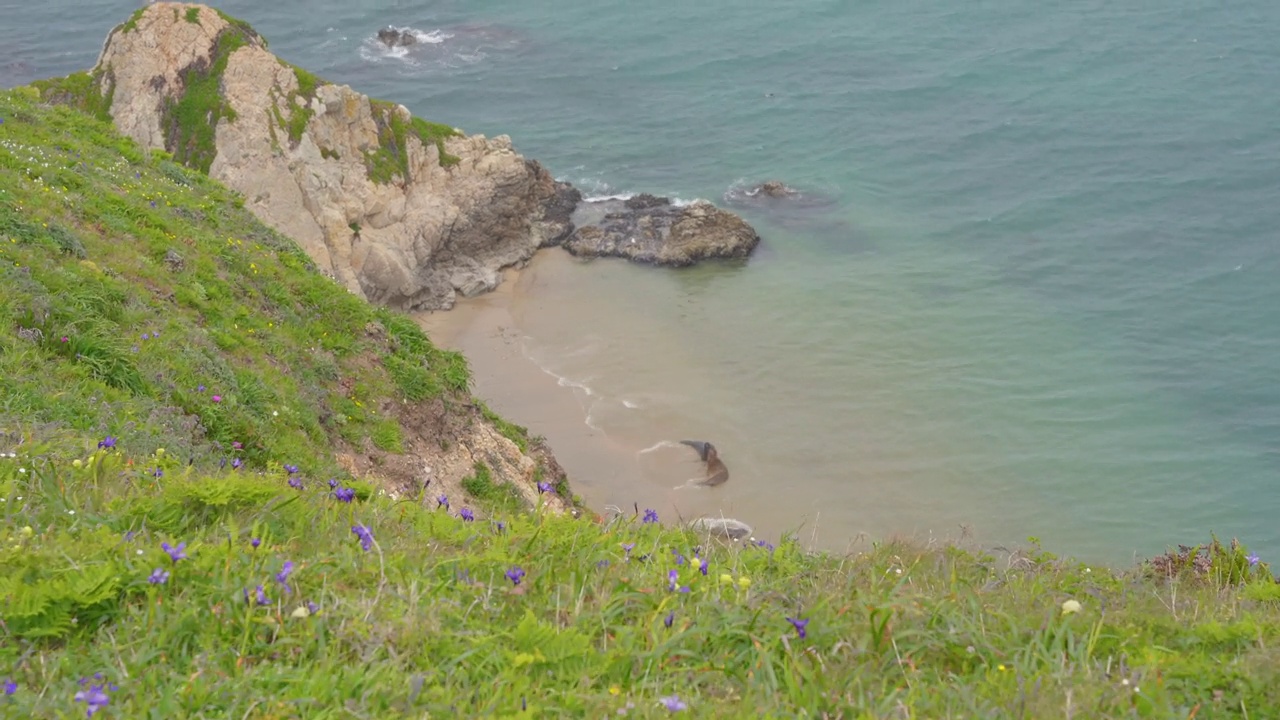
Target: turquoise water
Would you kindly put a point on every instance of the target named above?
(1041, 294)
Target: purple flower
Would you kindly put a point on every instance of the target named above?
(146, 336)
(672, 578)
(602, 564)
(259, 594)
(365, 535)
(332, 483)
(106, 443)
(515, 575)
(312, 607)
(155, 334)
(650, 516)
(237, 445)
(499, 526)
(158, 472)
(442, 501)
(175, 553)
(282, 577)
(216, 398)
(153, 203)
(345, 495)
(95, 696)
(200, 388)
(1253, 559)
(628, 547)
(679, 557)
(159, 576)
(466, 515)
(702, 566)
(799, 625)
(671, 617)
(544, 487)
(295, 483)
(10, 687)
(255, 543)
(291, 469)
(236, 463)
(673, 703)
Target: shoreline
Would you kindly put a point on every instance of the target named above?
(604, 471)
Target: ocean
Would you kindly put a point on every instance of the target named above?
(1031, 286)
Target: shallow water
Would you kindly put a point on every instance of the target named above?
(1038, 295)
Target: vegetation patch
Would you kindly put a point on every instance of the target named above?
(483, 488)
(190, 121)
(515, 433)
(391, 159)
(92, 93)
(299, 102)
(132, 23)
(193, 15)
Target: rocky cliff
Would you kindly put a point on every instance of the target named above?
(405, 212)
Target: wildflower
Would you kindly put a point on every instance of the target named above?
(10, 687)
(1071, 606)
(282, 577)
(158, 472)
(200, 388)
(260, 595)
(1253, 559)
(726, 579)
(650, 516)
(515, 575)
(744, 583)
(237, 445)
(236, 463)
(64, 338)
(332, 483)
(295, 483)
(146, 336)
(679, 557)
(499, 526)
(300, 612)
(95, 697)
(696, 562)
(672, 577)
(159, 576)
(216, 398)
(345, 495)
(602, 564)
(312, 607)
(175, 553)
(671, 617)
(442, 501)
(365, 535)
(673, 703)
(627, 548)
(799, 625)
(544, 487)
(255, 543)
(291, 469)
(466, 515)
(107, 443)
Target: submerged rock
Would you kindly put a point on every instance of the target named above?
(654, 230)
(722, 527)
(773, 189)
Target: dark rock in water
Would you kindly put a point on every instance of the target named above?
(652, 230)
(557, 213)
(773, 189)
(395, 37)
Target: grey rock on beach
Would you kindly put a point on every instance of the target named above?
(655, 230)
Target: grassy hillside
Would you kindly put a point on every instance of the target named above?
(179, 540)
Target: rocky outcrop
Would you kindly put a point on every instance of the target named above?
(721, 527)
(404, 212)
(654, 230)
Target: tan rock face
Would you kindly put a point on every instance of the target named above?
(301, 156)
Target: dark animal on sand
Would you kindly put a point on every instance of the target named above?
(717, 473)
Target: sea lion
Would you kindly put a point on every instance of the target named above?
(717, 473)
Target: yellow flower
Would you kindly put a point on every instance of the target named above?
(744, 582)
(726, 579)
(26, 531)
(1001, 668)
(614, 690)
(301, 612)
(159, 452)
(77, 463)
(1071, 606)
(696, 563)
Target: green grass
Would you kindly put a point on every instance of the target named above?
(190, 121)
(193, 15)
(102, 244)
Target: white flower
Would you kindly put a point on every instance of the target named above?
(1071, 606)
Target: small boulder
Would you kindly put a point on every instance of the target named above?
(654, 230)
(721, 527)
(395, 37)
